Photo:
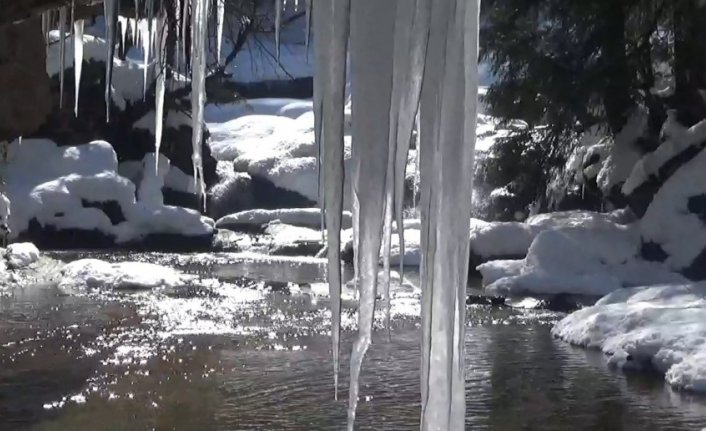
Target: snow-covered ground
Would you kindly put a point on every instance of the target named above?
(659, 327)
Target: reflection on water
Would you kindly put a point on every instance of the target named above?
(234, 357)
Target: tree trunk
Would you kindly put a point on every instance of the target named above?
(616, 96)
(689, 61)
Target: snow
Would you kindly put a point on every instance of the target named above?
(50, 183)
(676, 139)
(284, 234)
(20, 255)
(97, 274)
(668, 220)
(304, 217)
(507, 239)
(623, 154)
(578, 260)
(660, 327)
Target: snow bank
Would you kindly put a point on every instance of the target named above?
(20, 255)
(579, 260)
(58, 187)
(659, 327)
(513, 239)
(304, 217)
(669, 220)
(97, 274)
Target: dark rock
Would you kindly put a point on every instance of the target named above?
(231, 195)
(48, 237)
(268, 196)
(697, 205)
(653, 252)
(297, 88)
(24, 85)
(172, 243)
(180, 199)
(299, 248)
(561, 303)
(112, 209)
(697, 270)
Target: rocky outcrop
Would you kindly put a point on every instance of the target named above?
(25, 97)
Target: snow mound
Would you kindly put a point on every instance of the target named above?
(658, 327)
(303, 217)
(577, 260)
(97, 274)
(60, 186)
(20, 255)
(513, 239)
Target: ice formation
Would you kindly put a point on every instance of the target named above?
(199, 33)
(220, 18)
(278, 24)
(371, 54)
(110, 11)
(62, 48)
(78, 61)
(161, 82)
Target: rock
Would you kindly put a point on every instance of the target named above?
(494, 301)
(299, 217)
(110, 208)
(232, 193)
(24, 85)
(20, 255)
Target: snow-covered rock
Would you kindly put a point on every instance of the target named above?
(97, 274)
(577, 260)
(65, 188)
(676, 218)
(304, 217)
(660, 327)
(22, 254)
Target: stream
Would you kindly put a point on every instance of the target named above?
(243, 354)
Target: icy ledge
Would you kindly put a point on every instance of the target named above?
(659, 327)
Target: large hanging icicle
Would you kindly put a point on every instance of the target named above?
(334, 15)
(220, 19)
(78, 61)
(110, 12)
(199, 33)
(413, 38)
(123, 32)
(278, 24)
(309, 4)
(163, 28)
(62, 53)
(448, 122)
(321, 36)
(371, 53)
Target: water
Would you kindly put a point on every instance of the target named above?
(242, 356)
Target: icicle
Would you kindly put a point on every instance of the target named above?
(123, 32)
(71, 23)
(62, 53)
(146, 44)
(150, 21)
(137, 20)
(78, 61)
(448, 124)
(199, 33)
(320, 39)
(161, 81)
(309, 4)
(184, 23)
(417, 146)
(413, 45)
(332, 38)
(110, 8)
(371, 84)
(220, 18)
(278, 24)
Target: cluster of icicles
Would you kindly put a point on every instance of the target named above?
(409, 59)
